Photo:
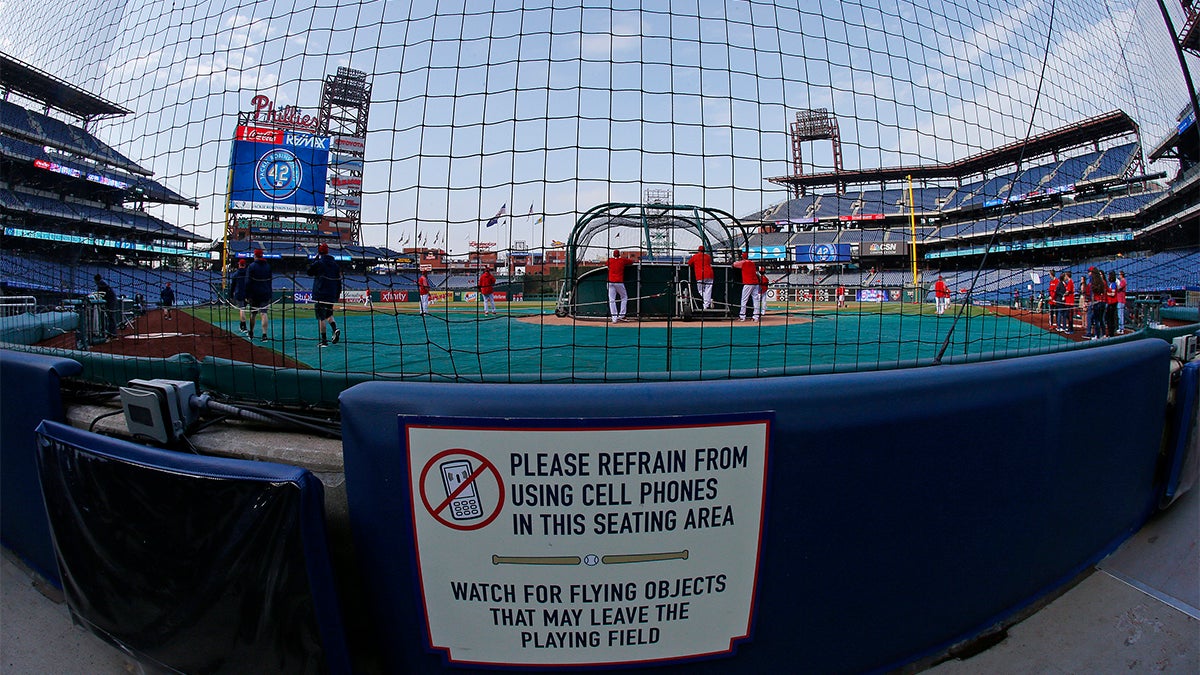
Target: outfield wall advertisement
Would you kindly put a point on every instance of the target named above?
(278, 171)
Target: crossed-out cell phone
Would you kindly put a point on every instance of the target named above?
(466, 505)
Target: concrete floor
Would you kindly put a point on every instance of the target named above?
(1138, 612)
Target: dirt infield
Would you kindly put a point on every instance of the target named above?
(153, 336)
(1042, 320)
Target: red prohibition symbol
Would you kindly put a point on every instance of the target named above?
(437, 511)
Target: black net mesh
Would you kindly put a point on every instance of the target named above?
(854, 152)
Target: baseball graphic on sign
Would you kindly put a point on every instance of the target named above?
(278, 173)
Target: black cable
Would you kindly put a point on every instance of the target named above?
(283, 415)
(92, 426)
(209, 423)
(295, 420)
(188, 443)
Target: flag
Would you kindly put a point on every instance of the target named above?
(531, 208)
(538, 221)
(499, 214)
(554, 243)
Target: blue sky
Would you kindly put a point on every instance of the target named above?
(566, 105)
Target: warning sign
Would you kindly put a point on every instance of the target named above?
(585, 542)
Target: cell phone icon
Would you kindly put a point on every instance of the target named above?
(465, 505)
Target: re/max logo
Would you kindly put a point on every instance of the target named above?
(300, 140)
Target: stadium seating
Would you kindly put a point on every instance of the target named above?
(961, 195)
(1076, 211)
(151, 190)
(797, 208)
(1113, 162)
(1128, 204)
(1031, 178)
(968, 228)
(887, 202)
(1159, 272)
(1072, 169)
(928, 199)
(770, 239)
(996, 187)
(814, 237)
(21, 121)
(834, 205)
(1026, 218)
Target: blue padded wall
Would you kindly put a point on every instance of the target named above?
(29, 394)
(906, 510)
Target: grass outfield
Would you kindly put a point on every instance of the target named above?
(456, 341)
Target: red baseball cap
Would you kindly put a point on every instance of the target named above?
(258, 253)
(323, 248)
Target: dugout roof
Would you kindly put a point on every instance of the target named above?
(1108, 125)
(38, 85)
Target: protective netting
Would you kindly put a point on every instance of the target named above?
(867, 150)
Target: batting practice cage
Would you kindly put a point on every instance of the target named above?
(691, 336)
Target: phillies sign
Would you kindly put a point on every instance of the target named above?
(288, 116)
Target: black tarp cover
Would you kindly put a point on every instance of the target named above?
(192, 564)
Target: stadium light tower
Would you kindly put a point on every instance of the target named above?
(658, 195)
(345, 107)
(815, 124)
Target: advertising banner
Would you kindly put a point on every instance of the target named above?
(346, 298)
(346, 182)
(278, 171)
(345, 203)
(586, 542)
(885, 248)
(768, 253)
(345, 162)
(277, 228)
(350, 144)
